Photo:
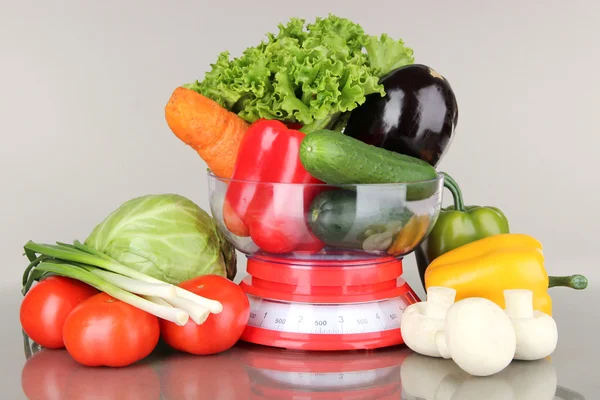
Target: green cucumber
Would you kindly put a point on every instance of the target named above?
(336, 158)
(346, 218)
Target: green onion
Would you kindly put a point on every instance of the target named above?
(83, 254)
(175, 315)
(197, 313)
(80, 262)
(138, 287)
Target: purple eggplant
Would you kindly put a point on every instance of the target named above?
(416, 117)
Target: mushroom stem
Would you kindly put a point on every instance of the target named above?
(439, 301)
(442, 346)
(519, 303)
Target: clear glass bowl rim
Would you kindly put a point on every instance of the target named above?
(439, 177)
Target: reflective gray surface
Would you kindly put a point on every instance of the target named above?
(255, 372)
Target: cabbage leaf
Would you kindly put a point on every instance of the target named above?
(166, 236)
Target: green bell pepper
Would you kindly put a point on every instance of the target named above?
(456, 226)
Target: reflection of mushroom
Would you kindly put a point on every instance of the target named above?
(532, 380)
(536, 332)
(438, 379)
(421, 321)
(478, 336)
(421, 376)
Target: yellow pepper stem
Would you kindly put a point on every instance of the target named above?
(577, 282)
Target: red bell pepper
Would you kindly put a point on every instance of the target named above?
(258, 203)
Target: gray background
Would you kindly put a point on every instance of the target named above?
(83, 85)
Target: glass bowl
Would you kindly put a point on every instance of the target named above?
(322, 221)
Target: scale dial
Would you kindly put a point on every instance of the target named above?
(326, 319)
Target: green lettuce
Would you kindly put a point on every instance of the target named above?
(313, 74)
(166, 236)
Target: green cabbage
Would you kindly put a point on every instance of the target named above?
(313, 76)
(166, 236)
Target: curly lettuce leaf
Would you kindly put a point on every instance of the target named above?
(386, 54)
(311, 74)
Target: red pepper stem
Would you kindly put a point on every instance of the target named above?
(453, 187)
(577, 282)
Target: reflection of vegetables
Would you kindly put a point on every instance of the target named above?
(212, 377)
(55, 375)
(422, 376)
(427, 378)
(103, 331)
(46, 375)
(273, 215)
(208, 128)
(537, 333)
(417, 115)
(47, 305)
(119, 281)
(488, 266)
(220, 331)
(458, 225)
(478, 336)
(136, 382)
(311, 76)
(421, 321)
(165, 236)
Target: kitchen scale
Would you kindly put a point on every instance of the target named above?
(325, 305)
(346, 295)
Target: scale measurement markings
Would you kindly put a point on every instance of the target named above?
(321, 319)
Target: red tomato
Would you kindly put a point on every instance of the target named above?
(217, 376)
(220, 331)
(103, 331)
(47, 305)
(45, 375)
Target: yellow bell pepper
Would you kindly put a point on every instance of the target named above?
(489, 266)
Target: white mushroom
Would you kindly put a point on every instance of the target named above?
(536, 332)
(478, 336)
(421, 321)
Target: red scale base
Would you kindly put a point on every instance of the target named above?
(285, 283)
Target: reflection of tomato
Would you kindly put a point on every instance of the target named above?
(103, 331)
(219, 376)
(45, 375)
(47, 305)
(220, 331)
(135, 382)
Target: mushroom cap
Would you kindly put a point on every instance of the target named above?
(537, 337)
(480, 336)
(418, 331)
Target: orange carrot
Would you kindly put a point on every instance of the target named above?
(214, 132)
